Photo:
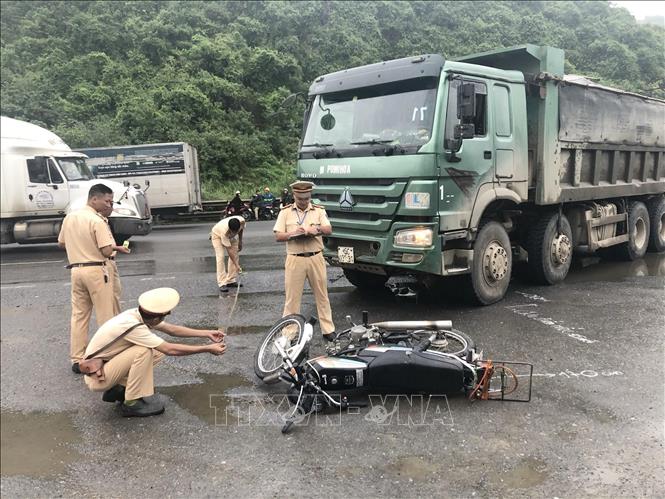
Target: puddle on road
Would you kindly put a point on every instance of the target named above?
(529, 472)
(37, 444)
(207, 401)
(595, 269)
(413, 467)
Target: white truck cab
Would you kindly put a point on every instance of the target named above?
(42, 180)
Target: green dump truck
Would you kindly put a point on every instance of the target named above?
(434, 168)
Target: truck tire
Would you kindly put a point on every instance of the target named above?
(492, 264)
(657, 220)
(638, 232)
(365, 280)
(550, 248)
(120, 238)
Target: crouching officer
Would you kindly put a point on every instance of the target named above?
(301, 226)
(120, 357)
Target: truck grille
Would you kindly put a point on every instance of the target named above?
(142, 205)
(375, 203)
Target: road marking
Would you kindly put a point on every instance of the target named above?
(32, 263)
(157, 278)
(18, 286)
(548, 321)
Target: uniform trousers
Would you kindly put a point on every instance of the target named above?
(312, 268)
(224, 276)
(92, 287)
(131, 368)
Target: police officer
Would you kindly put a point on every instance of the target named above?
(301, 226)
(122, 353)
(87, 238)
(226, 237)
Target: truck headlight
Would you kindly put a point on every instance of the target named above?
(414, 237)
(124, 211)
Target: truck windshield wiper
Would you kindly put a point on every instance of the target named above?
(316, 144)
(373, 141)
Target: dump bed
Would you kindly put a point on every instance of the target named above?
(586, 141)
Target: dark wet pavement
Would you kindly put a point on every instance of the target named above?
(592, 428)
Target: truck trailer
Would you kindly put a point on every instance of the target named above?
(169, 172)
(42, 180)
(430, 168)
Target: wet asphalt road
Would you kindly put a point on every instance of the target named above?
(594, 426)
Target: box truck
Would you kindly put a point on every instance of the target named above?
(42, 180)
(169, 172)
(435, 168)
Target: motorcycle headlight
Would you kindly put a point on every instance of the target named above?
(124, 211)
(420, 237)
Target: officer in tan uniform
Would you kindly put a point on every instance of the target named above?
(301, 226)
(120, 357)
(226, 237)
(87, 238)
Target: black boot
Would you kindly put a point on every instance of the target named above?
(114, 394)
(143, 408)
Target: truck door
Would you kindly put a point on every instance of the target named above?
(504, 139)
(46, 191)
(463, 173)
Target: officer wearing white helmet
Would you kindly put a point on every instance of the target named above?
(120, 357)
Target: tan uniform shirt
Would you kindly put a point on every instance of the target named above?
(83, 233)
(221, 230)
(114, 327)
(291, 217)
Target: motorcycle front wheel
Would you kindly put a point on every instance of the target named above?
(267, 359)
(452, 342)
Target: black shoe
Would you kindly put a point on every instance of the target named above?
(143, 408)
(234, 285)
(223, 289)
(75, 368)
(114, 394)
(330, 336)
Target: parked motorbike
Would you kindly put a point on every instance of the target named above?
(245, 212)
(398, 357)
(267, 212)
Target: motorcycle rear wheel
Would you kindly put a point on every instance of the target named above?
(266, 359)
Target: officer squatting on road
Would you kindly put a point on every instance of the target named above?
(86, 236)
(226, 237)
(301, 226)
(120, 357)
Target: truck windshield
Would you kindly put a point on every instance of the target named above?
(395, 113)
(75, 169)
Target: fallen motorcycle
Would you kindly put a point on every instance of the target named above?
(397, 357)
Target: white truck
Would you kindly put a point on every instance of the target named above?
(170, 172)
(42, 180)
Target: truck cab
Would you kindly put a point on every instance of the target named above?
(43, 180)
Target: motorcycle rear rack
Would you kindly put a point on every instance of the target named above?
(500, 382)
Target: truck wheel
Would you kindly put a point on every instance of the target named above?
(550, 248)
(365, 280)
(120, 238)
(657, 222)
(492, 264)
(638, 232)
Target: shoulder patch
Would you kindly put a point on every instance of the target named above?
(318, 206)
(286, 206)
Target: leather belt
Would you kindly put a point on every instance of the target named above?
(85, 264)
(307, 254)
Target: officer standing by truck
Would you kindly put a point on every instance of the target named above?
(301, 226)
(87, 238)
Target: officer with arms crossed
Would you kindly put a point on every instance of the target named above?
(87, 238)
(226, 237)
(120, 357)
(301, 226)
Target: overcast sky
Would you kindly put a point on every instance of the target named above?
(640, 10)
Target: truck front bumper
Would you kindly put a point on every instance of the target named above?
(131, 226)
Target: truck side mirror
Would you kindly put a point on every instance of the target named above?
(466, 101)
